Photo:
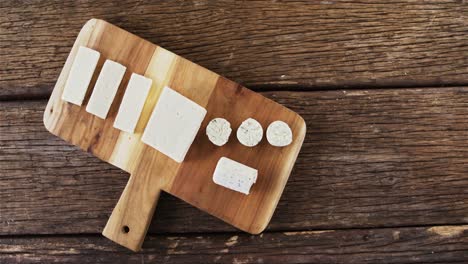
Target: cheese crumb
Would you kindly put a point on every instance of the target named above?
(250, 132)
(218, 131)
(279, 134)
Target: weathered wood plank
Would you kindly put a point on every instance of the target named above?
(371, 159)
(438, 244)
(257, 43)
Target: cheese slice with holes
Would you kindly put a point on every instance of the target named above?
(173, 125)
(105, 89)
(132, 103)
(234, 175)
(80, 75)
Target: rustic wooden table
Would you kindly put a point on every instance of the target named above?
(382, 176)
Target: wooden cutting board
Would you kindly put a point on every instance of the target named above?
(152, 171)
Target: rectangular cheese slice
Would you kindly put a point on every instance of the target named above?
(132, 103)
(234, 175)
(80, 75)
(105, 89)
(173, 125)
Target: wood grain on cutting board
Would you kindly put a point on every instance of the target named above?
(152, 171)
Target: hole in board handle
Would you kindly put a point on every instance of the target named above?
(125, 229)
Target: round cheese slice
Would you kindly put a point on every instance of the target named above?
(218, 131)
(250, 132)
(279, 134)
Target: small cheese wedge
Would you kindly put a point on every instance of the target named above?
(234, 175)
(173, 124)
(132, 103)
(80, 75)
(105, 89)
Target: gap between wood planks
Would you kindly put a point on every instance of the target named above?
(276, 88)
(445, 228)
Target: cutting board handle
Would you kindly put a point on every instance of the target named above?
(132, 215)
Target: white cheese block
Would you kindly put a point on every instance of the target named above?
(250, 132)
(132, 103)
(105, 89)
(80, 75)
(173, 124)
(279, 134)
(218, 131)
(234, 175)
